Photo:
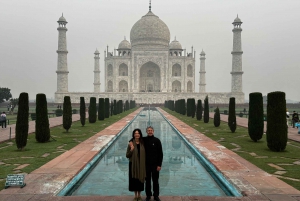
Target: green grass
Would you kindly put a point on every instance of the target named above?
(261, 155)
(11, 157)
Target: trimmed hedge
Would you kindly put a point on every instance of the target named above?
(82, 111)
(276, 121)
(106, 107)
(101, 109)
(206, 110)
(256, 116)
(67, 113)
(217, 117)
(93, 110)
(199, 110)
(231, 115)
(42, 130)
(22, 121)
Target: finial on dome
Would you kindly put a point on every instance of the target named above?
(149, 5)
(175, 37)
(124, 37)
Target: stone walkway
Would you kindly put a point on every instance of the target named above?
(45, 182)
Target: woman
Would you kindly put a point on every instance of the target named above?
(137, 168)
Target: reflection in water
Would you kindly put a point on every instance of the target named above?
(181, 174)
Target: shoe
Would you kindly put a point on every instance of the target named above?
(135, 199)
(157, 199)
(139, 199)
(148, 198)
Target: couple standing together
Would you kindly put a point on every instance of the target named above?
(145, 159)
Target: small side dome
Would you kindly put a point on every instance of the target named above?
(125, 44)
(175, 45)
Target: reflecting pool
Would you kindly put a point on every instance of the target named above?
(182, 171)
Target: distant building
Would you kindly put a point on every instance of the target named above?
(150, 69)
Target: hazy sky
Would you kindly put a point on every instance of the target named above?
(270, 40)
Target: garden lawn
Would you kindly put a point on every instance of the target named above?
(285, 165)
(34, 155)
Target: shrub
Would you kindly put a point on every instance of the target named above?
(67, 113)
(217, 118)
(276, 121)
(42, 131)
(33, 116)
(74, 111)
(206, 110)
(22, 121)
(256, 116)
(106, 108)
(241, 114)
(58, 112)
(199, 110)
(101, 109)
(82, 111)
(111, 109)
(225, 112)
(93, 110)
(231, 115)
(183, 106)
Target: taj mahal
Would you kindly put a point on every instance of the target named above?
(150, 69)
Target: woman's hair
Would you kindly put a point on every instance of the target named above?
(140, 132)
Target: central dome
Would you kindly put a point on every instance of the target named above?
(150, 31)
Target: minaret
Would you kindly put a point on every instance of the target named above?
(202, 73)
(236, 78)
(62, 64)
(97, 73)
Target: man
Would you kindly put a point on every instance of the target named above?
(295, 118)
(154, 158)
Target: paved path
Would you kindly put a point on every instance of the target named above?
(45, 182)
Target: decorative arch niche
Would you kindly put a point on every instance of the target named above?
(123, 86)
(176, 86)
(190, 71)
(123, 70)
(176, 70)
(189, 86)
(109, 70)
(109, 86)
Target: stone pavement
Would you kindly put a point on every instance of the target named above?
(45, 182)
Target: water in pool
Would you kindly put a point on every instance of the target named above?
(182, 174)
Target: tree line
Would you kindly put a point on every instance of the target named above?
(277, 130)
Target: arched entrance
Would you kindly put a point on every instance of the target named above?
(149, 78)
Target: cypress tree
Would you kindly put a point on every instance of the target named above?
(22, 121)
(256, 116)
(189, 107)
(183, 107)
(276, 121)
(115, 107)
(193, 107)
(42, 131)
(217, 118)
(67, 113)
(127, 105)
(101, 109)
(93, 110)
(199, 110)
(121, 106)
(82, 111)
(106, 107)
(206, 110)
(231, 115)
(111, 109)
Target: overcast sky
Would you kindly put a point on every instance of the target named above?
(270, 41)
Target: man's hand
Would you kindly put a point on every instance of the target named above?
(158, 168)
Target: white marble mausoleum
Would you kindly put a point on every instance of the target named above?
(149, 68)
